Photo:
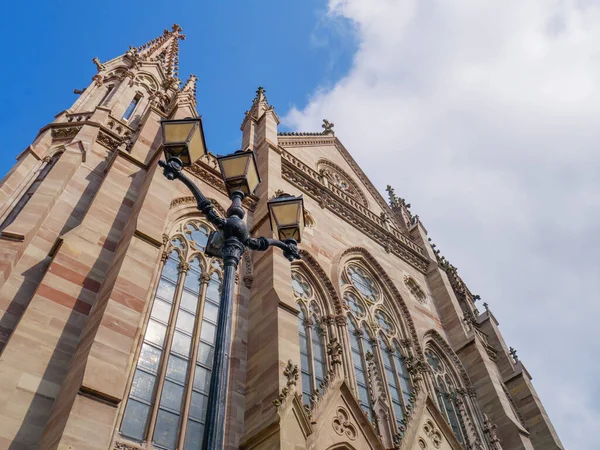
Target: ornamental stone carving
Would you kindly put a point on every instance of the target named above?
(336, 176)
(433, 433)
(341, 424)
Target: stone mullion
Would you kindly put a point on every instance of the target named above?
(379, 366)
(204, 279)
(160, 379)
(342, 328)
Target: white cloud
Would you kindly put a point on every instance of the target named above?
(486, 117)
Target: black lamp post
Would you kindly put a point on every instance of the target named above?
(183, 144)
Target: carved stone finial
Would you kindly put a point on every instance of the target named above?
(259, 91)
(486, 306)
(78, 91)
(99, 65)
(291, 373)
(513, 353)
(327, 127)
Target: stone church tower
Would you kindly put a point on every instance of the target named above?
(108, 303)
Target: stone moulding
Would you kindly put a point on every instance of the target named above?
(312, 140)
(294, 172)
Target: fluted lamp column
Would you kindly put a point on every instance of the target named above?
(184, 144)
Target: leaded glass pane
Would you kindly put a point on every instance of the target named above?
(304, 361)
(202, 379)
(167, 428)
(172, 395)
(208, 332)
(198, 406)
(185, 321)
(211, 312)
(171, 269)
(149, 358)
(205, 354)
(143, 385)
(166, 290)
(181, 343)
(193, 435)
(161, 310)
(212, 291)
(177, 368)
(189, 301)
(134, 419)
(192, 281)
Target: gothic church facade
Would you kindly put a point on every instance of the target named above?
(108, 302)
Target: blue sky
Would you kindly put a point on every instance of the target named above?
(231, 46)
(485, 116)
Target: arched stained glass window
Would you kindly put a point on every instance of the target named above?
(445, 392)
(313, 359)
(169, 392)
(368, 311)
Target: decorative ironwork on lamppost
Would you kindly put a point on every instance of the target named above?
(183, 144)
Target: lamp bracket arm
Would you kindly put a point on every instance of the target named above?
(289, 246)
(174, 171)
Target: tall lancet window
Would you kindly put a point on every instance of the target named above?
(445, 391)
(129, 111)
(372, 330)
(169, 391)
(312, 335)
(44, 171)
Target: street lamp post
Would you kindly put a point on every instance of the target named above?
(183, 144)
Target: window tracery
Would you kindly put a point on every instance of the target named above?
(169, 393)
(312, 334)
(338, 178)
(372, 329)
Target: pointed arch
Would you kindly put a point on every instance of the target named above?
(321, 279)
(387, 284)
(433, 337)
(339, 178)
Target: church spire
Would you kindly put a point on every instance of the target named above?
(164, 50)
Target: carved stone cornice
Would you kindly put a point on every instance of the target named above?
(108, 141)
(190, 199)
(64, 132)
(307, 180)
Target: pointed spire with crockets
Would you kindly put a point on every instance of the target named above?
(190, 87)
(164, 50)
